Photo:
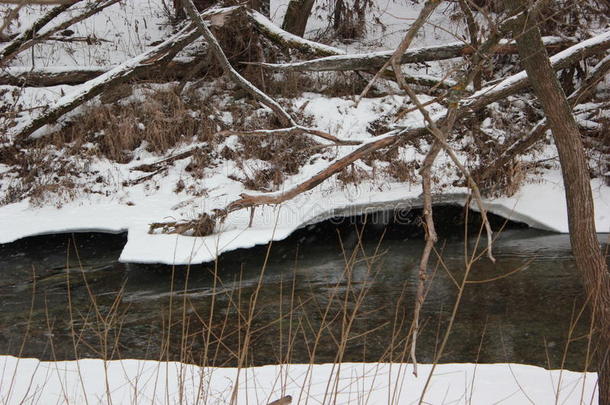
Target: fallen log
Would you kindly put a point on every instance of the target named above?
(375, 60)
(153, 58)
(74, 75)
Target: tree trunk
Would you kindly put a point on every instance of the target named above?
(297, 16)
(179, 10)
(585, 246)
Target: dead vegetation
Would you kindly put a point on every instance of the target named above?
(132, 119)
(44, 175)
(158, 122)
(204, 225)
(284, 156)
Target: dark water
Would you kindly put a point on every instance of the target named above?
(64, 296)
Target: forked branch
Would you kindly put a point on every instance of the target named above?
(241, 81)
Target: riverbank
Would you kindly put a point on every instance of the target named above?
(540, 204)
(133, 382)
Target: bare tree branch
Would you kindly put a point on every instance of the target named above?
(428, 8)
(241, 81)
(247, 200)
(31, 37)
(375, 60)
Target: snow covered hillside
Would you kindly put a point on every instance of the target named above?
(72, 184)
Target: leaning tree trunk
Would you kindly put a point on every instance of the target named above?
(297, 15)
(585, 246)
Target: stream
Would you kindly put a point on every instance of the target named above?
(66, 296)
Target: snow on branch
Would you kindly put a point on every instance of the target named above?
(74, 75)
(519, 81)
(376, 60)
(150, 59)
(287, 40)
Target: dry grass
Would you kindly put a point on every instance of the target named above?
(44, 175)
(158, 123)
(354, 175)
(204, 225)
(507, 180)
(232, 327)
(404, 172)
(284, 156)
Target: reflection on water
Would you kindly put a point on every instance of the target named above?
(307, 300)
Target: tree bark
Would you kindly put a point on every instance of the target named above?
(341, 62)
(297, 15)
(585, 246)
(73, 75)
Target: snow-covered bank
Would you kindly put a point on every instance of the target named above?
(109, 196)
(29, 381)
(100, 192)
(541, 205)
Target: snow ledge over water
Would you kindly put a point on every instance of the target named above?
(540, 205)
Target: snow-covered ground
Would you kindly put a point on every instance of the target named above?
(540, 202)
(542, 205)
(126, 30)
(132, 382)
(133, 27)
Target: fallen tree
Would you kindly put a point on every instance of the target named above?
(369, 61)
(36, 33)
(465, 107)
(152, 59)
(71, 76)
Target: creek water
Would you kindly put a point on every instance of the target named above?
(333, 291)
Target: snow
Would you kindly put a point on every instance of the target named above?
(555, 59)
(129, 27)
(29, 381)
(132, 209)
(542, 205)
